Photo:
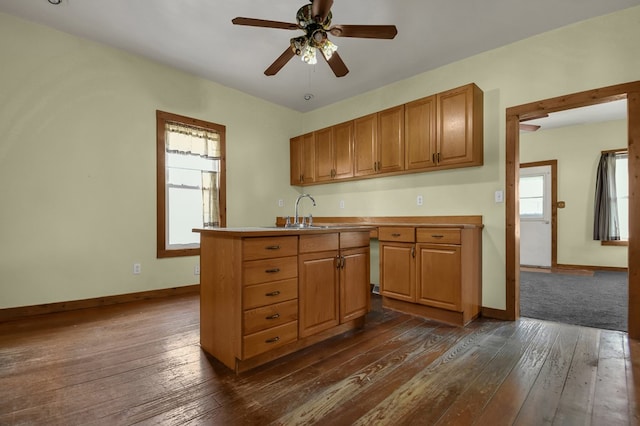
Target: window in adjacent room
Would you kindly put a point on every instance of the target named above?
(191, 182)
(532, 196)
(611, 210)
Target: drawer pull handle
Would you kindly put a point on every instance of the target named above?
(395, 234)
(273, 293)
(272, 247)
(273, 340)
(272, 271)
(272, 317)
(437, 236)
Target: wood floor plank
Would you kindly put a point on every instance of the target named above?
(472, 401)
(610, 396)
(575, 406)
(506, 402)
(542, 401)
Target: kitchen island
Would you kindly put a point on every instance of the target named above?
(268, 292)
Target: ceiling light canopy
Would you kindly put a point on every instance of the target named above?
(315, 36)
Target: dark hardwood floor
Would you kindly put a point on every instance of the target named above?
(140, 363)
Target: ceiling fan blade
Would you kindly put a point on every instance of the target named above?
(280, 62)
(264, 23)
(321, 8)
(364, 31)
(337, 65)
(529, 127)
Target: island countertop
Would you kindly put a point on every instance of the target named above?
(257, 231)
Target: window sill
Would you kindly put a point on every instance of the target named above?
(178, 253)
(614, 243)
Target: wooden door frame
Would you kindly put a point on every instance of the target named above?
(628, 91)
(554, 205)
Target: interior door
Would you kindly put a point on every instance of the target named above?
(535, 216)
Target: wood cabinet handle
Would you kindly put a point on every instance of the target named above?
(396, 234)
(273, 340)
(273, 293)
(272, 317)
(272, 271)
(272, 248)
(413, 251)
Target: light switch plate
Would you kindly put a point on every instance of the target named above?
(498, 196)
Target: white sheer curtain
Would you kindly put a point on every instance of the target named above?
(199, 146)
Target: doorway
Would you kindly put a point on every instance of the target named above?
(630, 91)
(538, 189)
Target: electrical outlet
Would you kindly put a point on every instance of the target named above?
(137, 269)
(419, 200)
(342, 204)
(196, 270)
(281, 203)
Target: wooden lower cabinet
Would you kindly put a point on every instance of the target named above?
(264, 297)
(439, 276)
(318, 291)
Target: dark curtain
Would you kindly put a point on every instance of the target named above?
(605, 215)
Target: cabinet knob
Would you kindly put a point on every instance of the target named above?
(395, 234)
(272, 271)
(273, 340)
(272, 248)
(273, 293)
(437, 236)
(272, 317)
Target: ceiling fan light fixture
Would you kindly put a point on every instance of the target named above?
(309, 55)
(328, 48)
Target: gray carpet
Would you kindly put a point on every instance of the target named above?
(598, 301)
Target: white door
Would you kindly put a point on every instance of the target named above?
(535, 216)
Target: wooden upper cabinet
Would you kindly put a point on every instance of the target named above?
(460, 127)
(420, 133)
(302, 157)
(391, 140)
(334, 152)
(343, 150)
(441, 131)
(365, 138)
(379, 142)
(324, 154)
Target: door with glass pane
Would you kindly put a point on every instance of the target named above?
(535, 216)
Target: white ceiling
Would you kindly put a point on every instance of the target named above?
(609, 111)
(197, 36)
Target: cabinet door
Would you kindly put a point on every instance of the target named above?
(365, 132)
(420, 133)
(354, 283)
(439, 276)
(324, 154)
(318, 292)
(455, 126)
(397, 271)
(391, 140)
(308, 158)
(343, 150)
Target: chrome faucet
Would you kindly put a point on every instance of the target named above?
(295, 219)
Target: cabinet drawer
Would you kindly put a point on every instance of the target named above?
(268, 247)
(354, 239)
(267, 270)
(318, 242)
(254, 296)
(438, 235)
(397, 233)
(271, 338)
(270, 316)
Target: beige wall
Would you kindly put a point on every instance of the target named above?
(77, 145)
(577, 149)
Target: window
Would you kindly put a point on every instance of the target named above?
(532, 196)
(622, 193)
(611, 206)
(190, 182)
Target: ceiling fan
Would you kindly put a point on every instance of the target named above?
(315, 20)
